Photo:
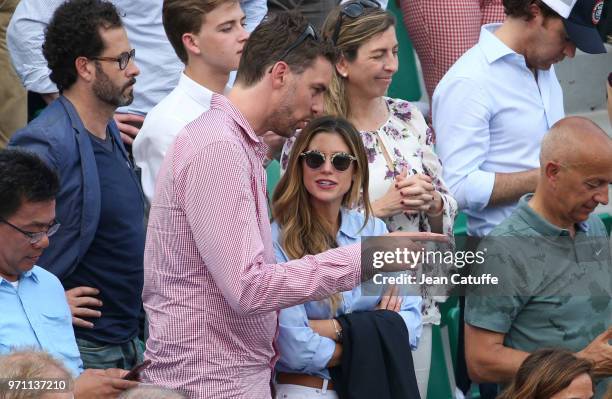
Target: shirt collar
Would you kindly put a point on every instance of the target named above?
(490, 44)
(200, 94)
(32, 273)
(222, 103)
(541, 225)
(349, 225)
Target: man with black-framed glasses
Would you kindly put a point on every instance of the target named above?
(97, 254)
(35, 313)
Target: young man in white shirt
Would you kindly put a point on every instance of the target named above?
(208, 36)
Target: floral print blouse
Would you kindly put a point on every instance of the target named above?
(410, 145)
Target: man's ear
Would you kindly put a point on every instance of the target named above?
(535, 13)
(191, 43)
(551, 171)
(279, 73)
(85, 69)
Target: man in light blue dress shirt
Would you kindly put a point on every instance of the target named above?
(35, 313)
(492, 108)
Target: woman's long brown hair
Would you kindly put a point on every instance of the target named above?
(303, 230)
(545, 373)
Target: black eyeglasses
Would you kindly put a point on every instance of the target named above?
(35, 237)
(123, 59)
(309, 32)
(352, 9)
(340, 160)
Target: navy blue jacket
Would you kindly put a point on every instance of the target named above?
(58, 136)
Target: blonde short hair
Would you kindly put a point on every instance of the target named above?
(31, 365)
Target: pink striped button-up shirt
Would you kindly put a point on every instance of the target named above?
(212, 288)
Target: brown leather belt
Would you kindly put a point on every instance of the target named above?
(304, 380)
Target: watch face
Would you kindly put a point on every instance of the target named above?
(610, 79)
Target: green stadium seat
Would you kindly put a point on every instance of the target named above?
(439, 382)
(273, 176)
(405, 84)
(607, 219)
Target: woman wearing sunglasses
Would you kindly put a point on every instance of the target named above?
(405, 181)
(327, 171)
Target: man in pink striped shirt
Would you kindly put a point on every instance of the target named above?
(212, 288)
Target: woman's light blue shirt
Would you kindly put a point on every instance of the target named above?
(304, 351)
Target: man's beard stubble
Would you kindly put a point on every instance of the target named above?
(280, 120)
(109, 93)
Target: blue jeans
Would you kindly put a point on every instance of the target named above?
(97, 355)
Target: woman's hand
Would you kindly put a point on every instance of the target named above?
(409, 194)
(391, 203)
(390, 300)
(418, 194)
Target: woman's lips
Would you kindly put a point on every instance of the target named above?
(326, 184)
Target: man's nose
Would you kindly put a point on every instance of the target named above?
(132, 69)
(603, 196)
(43, 243)
(317, 105)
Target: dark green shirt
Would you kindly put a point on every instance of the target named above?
(536, 260)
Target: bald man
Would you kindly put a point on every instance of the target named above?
(556, 222)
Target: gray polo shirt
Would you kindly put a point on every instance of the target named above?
(533, 321)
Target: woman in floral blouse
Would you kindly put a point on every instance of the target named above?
(405, 173)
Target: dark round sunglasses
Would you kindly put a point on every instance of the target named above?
(341, 161)
(352, 9)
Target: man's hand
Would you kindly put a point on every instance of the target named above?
(101, 384)
(395, 251)
(599, 351)
(80, 300)
(129, 125)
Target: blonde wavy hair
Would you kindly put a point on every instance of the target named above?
(354, 32)
(304, 231)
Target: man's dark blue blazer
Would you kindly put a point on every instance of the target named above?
(59, 137)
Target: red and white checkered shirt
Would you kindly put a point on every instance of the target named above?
(212, 288)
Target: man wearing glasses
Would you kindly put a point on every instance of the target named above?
(97, 255)
(34, 309)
